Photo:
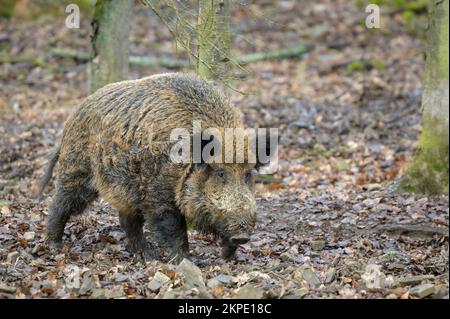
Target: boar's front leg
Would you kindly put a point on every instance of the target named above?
(132, 223)
(170, 229)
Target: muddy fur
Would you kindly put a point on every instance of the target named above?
(117, 145)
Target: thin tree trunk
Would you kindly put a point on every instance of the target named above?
(428, 172)
(110, 42)
(214, 39)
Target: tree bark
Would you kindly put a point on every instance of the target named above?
(110, 42)
(428, 172)
(214, 38)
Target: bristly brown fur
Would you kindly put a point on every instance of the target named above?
(117, 145)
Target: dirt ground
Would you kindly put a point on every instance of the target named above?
(329, 225)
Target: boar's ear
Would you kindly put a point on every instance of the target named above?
(266, 146)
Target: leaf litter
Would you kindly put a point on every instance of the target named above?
(328, 225)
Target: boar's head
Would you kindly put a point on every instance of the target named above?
(220, 199)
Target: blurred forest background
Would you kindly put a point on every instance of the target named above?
(334, 221)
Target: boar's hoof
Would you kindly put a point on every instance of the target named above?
(149, 254)
(54, 247)
(142, 248)
(176, 257)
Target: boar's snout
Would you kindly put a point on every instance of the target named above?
(240, 239)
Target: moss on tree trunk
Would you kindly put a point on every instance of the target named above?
(6, 8)
(110, 42)
(428, 172)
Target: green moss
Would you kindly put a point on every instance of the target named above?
(355, 66)
(34, 9)
(39, 62)
(362, 65)
(417, 6)
(6, 8)
(429, 172)
(377, 64)
(363, 3)
(443, 50)
(409, 18)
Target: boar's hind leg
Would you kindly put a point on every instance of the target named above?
(132, 224)
(65, 203)
(171, 229)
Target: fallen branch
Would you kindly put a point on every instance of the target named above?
(70, 53)
(36, 61)
(19, 59)
(164, 62)
(170, 63)
(285, 53)
(411, 230)
(135, 60)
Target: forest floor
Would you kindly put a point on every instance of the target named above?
(329, 225)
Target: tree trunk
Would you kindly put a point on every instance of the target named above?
(428, 172)
(110, 42)
(214, 39)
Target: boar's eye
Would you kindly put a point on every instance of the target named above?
(249, 175)
(220, 173)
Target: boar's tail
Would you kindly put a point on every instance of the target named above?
(48, 172)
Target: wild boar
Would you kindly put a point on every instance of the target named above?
(117, 146)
